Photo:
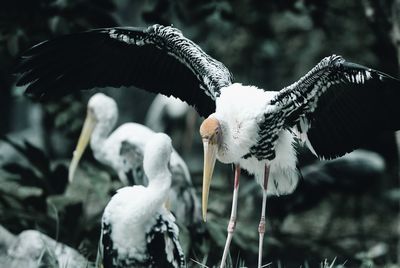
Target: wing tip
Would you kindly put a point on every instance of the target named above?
(375, 74)
(383, 77)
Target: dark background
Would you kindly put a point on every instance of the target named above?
(346, 209)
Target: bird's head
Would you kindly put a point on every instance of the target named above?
(100, 109)
(211, 134)
(157, 155)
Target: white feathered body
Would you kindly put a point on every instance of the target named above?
(106, 149)
(239, 110)
(137, 230)
(132, 212)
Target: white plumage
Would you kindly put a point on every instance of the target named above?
(123, 151)
(330, 106)
(240, 125)
(174, 117)
(164, 106)
(135, 223)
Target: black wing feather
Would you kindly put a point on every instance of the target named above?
(353, 116)
(106, 255)
(345, 105)
(157, 59)
(163, 245)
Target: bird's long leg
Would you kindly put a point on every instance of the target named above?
(232, 220)
(261, 226)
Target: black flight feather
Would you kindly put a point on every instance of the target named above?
(157, 59)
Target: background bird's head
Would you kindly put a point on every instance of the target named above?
(102, 108)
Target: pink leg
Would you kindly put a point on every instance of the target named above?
(232, 220)
(261, 226)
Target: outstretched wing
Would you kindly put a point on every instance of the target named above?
(163, 244)
(157, 59)
(340, 105)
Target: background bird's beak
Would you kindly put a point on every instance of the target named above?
(210, 153)
(83, 141)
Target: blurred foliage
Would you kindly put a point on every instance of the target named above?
(39, 169)
(266, 43)
(38, 196)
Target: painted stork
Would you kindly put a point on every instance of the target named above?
(123, 151)
(137, 230)
(335, 108)
(163, 108)
(174, 117)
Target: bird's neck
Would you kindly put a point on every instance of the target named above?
(160, 182)
(100, 134)
(159, 187)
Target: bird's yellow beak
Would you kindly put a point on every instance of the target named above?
(210, 133)
(83, 141)
(210, 155)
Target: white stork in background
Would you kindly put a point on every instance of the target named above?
(336, 107)
(174, 117)
(123, 151)
(137, 230)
